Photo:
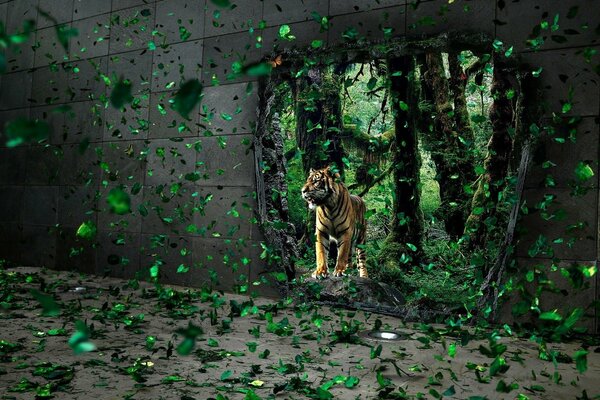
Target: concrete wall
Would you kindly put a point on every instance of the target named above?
(34, 198)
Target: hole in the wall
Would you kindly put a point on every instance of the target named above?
(430, 134)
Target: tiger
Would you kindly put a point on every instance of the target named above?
(340, 218)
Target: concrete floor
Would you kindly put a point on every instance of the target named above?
(249, 358)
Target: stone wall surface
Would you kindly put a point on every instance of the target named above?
(47, 191)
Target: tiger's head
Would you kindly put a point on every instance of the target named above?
(319, 186)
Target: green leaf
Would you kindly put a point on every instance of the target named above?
(64, 33)
(226, 375)
(87, 230)
(449, 392)
(221, 3)
(24, 130)
(581, 360)
(550, 316)
(119, 201)
(316, 44)
(79, 341)
(189, 94)
(121, 94)
(49, 306)
(583, 171)
(351, 382)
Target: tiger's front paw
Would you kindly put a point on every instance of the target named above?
(320, 274)
(339, 272)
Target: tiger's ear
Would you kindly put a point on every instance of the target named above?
(312, 171)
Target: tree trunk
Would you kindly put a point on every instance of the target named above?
(273, 212)
(491, 182)
(453, 164)
(319, 119)
(407, 221)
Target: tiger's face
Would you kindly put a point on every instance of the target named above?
(318, 187)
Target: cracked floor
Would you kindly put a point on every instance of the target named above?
(107, 338)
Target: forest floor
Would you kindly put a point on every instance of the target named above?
(130, 349)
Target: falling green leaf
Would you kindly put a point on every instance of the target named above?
(121, 94)
(583, 171)
(49, 305)
(188, 95)
(221, 3)
(24, 130)
(87, 230)
(119, 201)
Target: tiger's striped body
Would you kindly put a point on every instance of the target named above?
(340, 218)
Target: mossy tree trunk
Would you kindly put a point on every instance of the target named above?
(319, 119)
(407, 220)
(490, 183)
(451, 155)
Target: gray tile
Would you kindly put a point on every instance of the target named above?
(38, 246)
(40, 205)
(135, 66)
(168, 251)
(169, 161)
(50, 49)
(221, 51)
(224, 212)
(221, 259)
(354, 6)
(42, 165)
(15, 90)
(61, 11)
(10, 242)
(563, 71)
(74, 253)
(88, 8)
(244, 16)
(372, 25)
(93, 37)
(227, 161)
(228, 109)
(130, 123)
(569, 224)
(126, 161)
(118, 254)
(277, 12)
(179, 20)
(304, 32)
(21, 57)
(580, 144)
(78, 166)
(76, 204)
(3, 12)
(518, 19)
(13, 165)
(168, 212)
(176, 64)
(435, 17)
(84, 121)
(18, 12)
(131, 29)
(120, 4)
(54, 118)
(49, 85)
(85, 79)
(11, 201)
(168, 123)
